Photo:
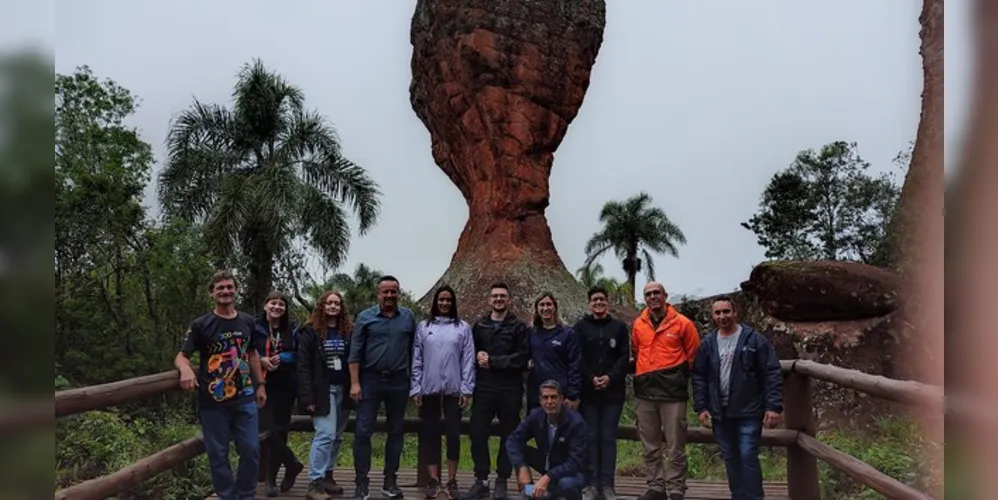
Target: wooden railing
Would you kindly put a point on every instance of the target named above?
(798, 436)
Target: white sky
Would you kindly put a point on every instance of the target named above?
(698, 103)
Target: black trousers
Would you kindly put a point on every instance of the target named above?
(433, 406)
(489, 403)
(275, 416)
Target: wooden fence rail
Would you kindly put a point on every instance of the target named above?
(803, 449)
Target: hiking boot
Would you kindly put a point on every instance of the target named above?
(316, 491)
(361, 492)
(499, 492)
(478, 491)
(290, 476)
(271, 488)
(452, 491)
(432, 488)
(589, 493)
(391, 488)
(609, 493)
(330, 484)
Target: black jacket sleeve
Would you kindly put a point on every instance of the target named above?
(700, 374)
(622, 364)
(306, 348)
(586, 368)
(769, 363)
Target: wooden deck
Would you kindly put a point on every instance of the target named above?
(628, 488)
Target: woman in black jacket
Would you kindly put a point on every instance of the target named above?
(605, 364)
(323, 383)
(278, 359)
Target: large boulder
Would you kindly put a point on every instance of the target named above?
(822, 290)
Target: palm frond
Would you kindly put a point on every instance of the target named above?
(325, 224)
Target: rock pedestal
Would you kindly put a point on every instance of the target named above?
(496, 83)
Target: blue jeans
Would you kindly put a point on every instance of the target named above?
(738, 439)
(321, 458)
(219, 427)
(602, 421)
(393, 390)
(341, 426)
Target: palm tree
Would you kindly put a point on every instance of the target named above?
(634, 227)
(261, 174)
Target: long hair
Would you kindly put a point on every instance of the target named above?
(284, 325)
(317, 320)
(538, 322)
(435, 308)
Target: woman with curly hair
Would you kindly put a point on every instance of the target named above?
(323, 380)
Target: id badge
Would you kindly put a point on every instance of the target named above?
(337, 364)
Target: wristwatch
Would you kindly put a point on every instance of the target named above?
(258, 384)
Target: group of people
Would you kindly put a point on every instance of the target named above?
(252, 370)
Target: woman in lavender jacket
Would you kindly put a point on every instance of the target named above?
(443, 378)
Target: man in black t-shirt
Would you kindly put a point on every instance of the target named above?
(230, 388)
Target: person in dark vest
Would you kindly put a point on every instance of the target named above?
(278, 358)
(323, 382)
(606, 351)
(501, 355)
(562, 451)
(737, 390)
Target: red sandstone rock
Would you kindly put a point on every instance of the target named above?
(822, 290)
(496, 83)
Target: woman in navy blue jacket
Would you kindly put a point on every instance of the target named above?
(555, 354)
(277, 355)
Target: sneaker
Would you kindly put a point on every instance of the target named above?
(361, 493)
(651, 494)
(330, 485)
(677, 496)
(432, 488)
(500, 492)
(391, 489)
(609, 493)
(290, 476)
(478, 491)
(316, 491)
(452, 492)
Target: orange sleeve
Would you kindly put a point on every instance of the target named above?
(691, 342)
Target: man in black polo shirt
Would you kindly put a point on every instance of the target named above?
(231, 388)
(380, 364)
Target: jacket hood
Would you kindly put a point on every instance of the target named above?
(670, 314)
(589, 318)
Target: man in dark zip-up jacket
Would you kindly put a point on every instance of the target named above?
(737, 390)
(606, 352)
(501, 355)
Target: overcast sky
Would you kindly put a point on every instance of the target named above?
(698, 103)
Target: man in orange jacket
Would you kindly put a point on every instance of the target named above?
(665, 344)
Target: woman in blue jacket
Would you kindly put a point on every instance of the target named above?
(278, 359)
(555, 354)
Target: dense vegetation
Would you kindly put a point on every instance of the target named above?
(127, 284)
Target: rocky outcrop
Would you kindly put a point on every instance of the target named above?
(830, 312)
(496, 83)
(823, 290)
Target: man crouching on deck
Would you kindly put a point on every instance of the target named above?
(562, 448)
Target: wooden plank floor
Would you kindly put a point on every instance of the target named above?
(628, 488)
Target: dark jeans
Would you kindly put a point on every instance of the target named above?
(602, 421)
(219, 427)
(433, 427)
(275, 417)
(487, 404)
(568, 487)
(377, 387)
(738, 439)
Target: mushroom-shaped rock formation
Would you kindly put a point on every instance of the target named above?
(496, 83)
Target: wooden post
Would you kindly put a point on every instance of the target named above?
(802, 467)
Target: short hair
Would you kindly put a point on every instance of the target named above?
(222, 275)
(597, 289)
(550, 384)
(724, 298)
(387, 277)
(499, 284)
